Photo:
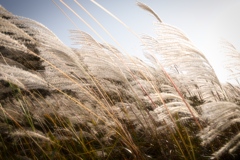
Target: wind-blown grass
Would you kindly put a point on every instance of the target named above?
(97, 103)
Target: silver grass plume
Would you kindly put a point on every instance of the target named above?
(171, 43)
(231, 63)
(163, 50)
(52, 93)
(220, 117)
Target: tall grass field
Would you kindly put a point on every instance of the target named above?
(94, 102)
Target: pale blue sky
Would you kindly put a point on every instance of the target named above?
(203, 21)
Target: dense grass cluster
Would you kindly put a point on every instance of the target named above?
(97, 103)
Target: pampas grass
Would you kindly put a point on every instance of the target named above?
(98, 103)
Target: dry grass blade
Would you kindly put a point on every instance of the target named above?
(145, 7)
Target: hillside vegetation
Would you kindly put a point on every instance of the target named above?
(97, 103)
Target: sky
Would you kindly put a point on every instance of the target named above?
(205, 22)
